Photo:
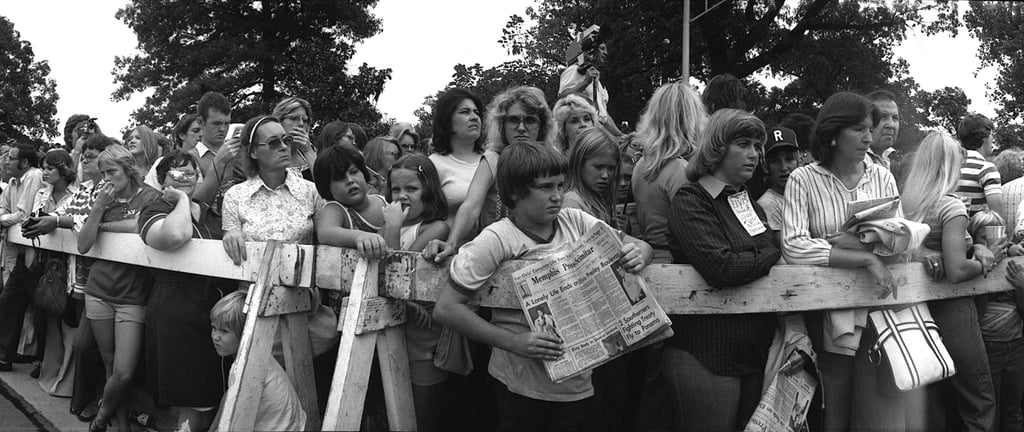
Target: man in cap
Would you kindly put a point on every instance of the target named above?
(781, 159)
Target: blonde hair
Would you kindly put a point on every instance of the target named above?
(935, 172)
(228, 312)
(669, 128)
(591, 143)
(982, 219)
(533, 103)
(563, 110)
(149, 144)
(118, 155)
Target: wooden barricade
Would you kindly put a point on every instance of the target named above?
(373, 317)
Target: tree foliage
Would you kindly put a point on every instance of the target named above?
(945, 106)
(997, 25)
(817, 47)
(253, 52)
(28, 97)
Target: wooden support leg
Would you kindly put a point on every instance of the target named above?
(245, 385)
(394, 371)
(355, 356)
(298, 359)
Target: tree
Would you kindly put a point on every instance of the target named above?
(945, 106)
(487, 83)
(253, 52)
(998, 26)
(792, 39)
(28, 97)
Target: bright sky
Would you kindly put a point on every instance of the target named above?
(420, 55)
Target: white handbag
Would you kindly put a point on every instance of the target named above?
(909, 344)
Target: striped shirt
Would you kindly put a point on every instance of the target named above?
(1013, 197)
(978, 180)
(816, 206)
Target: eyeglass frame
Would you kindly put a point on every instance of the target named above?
(520, 120)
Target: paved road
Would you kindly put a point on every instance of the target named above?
(25, 407)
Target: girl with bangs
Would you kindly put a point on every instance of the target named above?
(593, 174)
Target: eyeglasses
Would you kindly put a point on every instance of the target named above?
(278, 142)
(179, 175)
(530, 121)
(86, 158)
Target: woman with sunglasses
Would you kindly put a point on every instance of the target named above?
(273, 203)
(295, 115)
(183, 371)
(517, 115)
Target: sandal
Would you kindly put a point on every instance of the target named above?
(89, 412)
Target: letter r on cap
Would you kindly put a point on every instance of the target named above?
(778, 135)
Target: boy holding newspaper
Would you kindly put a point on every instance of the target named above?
(531, 181)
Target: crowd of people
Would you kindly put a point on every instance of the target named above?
(702, 181)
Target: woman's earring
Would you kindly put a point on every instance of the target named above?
(833, 143)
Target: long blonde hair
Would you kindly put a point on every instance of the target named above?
(935, 172)
(670, 127)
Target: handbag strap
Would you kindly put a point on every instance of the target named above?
(893, 326)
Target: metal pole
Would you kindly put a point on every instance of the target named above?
(686, 42)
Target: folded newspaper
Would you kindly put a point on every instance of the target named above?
(582, 295)
(784, 405)
(872, 209)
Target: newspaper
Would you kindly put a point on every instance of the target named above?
(872, 209)
(784, 405)
(582, 295)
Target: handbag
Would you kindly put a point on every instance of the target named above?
(51, 294)
(452, 353)
(909, 345)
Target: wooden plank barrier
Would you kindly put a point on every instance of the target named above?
(373, 315)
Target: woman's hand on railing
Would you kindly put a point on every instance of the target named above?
(886, 284)
(988, 258)
(234, 245)
(934, 266)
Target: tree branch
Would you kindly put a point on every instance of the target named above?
(788, 42)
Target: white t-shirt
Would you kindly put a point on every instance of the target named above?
(773, 204)
(474, 265)
(572, 78)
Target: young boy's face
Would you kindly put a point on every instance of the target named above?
(781, 163)
(542, 202)
(225, 341)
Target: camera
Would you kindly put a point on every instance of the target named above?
(585, 42)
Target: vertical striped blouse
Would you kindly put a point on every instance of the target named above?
(816, 206)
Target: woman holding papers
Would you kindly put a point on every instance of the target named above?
(817, 197)
(714, 364)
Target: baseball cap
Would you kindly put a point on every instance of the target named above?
(780, 137)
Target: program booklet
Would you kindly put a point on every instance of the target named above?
(582, 295)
